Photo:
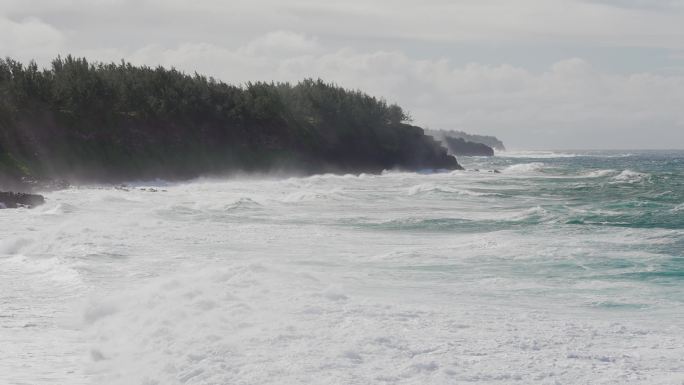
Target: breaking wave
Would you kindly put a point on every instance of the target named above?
(524, 168)
(399, 278)
(629, 176)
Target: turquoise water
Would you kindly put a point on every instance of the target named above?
(598, 191)
(636, 189)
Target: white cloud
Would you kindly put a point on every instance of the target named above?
(281, 43)
(635, 22)
(29, 38)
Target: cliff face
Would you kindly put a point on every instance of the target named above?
(112, 122)
(44, 151)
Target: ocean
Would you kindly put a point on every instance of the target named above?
(558, 268)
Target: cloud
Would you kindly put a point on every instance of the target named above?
(561, 107)
(29, 38)
(629, 22)
(661, 5)
(281, 43)
(570, 104)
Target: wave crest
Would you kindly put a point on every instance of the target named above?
(629, 176)
(524, 167)
(599, 173)
(427, 188)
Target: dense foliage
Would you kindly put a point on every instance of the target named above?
(116, 121)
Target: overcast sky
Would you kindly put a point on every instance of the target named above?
(539, 74)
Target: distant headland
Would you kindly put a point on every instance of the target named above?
(86, 121)
(461, 143)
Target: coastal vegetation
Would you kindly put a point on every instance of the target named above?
(490, 141)
(460, 146)
(78, 120)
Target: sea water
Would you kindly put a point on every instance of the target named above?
(558, 268)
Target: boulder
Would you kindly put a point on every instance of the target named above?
(12, 200)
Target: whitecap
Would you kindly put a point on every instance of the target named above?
(301, 196)
(312, 195)
(598, 173)
(532, 212)
(59, 209)
(242, 204)
(554, 154)
(427, 188)
(54, 269)
(524, 167)
(536, 154)
(629, 176)
(14, 245)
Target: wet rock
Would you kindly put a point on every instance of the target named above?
(12, 200)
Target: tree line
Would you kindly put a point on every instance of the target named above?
(105, 121)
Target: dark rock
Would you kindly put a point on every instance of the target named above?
(458, 146)
(12, 200)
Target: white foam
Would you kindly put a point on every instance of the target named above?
(532, 212)
(524, 167)
(599, 173)
(52, 269)
(629, 176)
(557, 154)
(252, 324)
(57, 209)
(12, 246)
(229, 282)
(242, 203)
(536, 154)
(307, 193)
(429, 188)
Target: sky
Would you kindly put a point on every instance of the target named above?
(538, 74)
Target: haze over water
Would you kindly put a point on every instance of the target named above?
(562, 268)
